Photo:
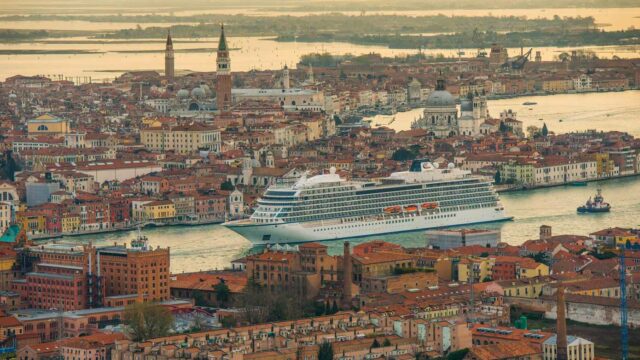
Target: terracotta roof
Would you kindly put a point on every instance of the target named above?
(502, 351)
(236, 281)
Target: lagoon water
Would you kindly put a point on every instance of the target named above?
(104, 60)
(213, 246)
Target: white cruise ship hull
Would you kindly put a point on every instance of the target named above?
(351, 228)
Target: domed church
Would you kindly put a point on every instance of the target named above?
(440, 117)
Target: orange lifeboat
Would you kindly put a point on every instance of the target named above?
(392, 209)
(429, 205)
(411, 208)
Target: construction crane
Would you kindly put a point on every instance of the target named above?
(624, 330)
(517, 63)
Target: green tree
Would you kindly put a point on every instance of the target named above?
(386, 342)
(222, 293)
(403, 154)
(458, 354)
(375, 344)
(497, 177)
(545, 131)
(334, 307)
(147, 321)
(227, 186)
(326, 351)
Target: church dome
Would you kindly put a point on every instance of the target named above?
(466, 105)
(197, 92)
(183, 93)
(440, 98)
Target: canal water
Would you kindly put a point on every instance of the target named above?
(610, 111)
(213, 246)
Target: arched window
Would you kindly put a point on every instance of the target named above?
(43, 128)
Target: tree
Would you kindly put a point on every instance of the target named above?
(334, 307)
(545, 131)
(386, 342)
(222, 293)
(375, 344)
(326, 351)
(497, 177)
(147, 321)
(541, 257)
(403, 154)
(227, 186)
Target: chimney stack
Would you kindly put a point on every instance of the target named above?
(561, 326)
(347, 276)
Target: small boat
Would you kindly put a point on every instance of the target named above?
(598, 205)
(411, 208)
(393, 209)
(529, 103)
(579, 183)
(560, 120)
(429, 205)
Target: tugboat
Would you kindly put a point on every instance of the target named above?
(596, 206)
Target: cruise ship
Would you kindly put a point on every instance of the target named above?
(328, 207)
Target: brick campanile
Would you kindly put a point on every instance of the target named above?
(347, 276)
(223, 74)
(169, 61)
(561, 326)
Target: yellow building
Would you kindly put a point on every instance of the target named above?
(605, 165)
(602, 287)
(476, 268)
(518, 172)
(557, 85)
(183, 139)
(527, 288)
(532, 269)
(160, 210)
(32, 223)
(70, 223)
(47, 125)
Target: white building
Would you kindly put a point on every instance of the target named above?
(118, 170)
(293, 99)
(577, 348)
(582, 83)
(440, 117)
(555, 171)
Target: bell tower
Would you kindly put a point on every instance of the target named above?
(169, 61)
(223, 74)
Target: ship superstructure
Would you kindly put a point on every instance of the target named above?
(327, 207)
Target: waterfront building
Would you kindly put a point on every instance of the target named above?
(169, 61)
(75, 277)
(6, 216)
(223, 75)
(138, 272)
(160, 210)
(553, 170)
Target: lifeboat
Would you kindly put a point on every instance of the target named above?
(429, 205)
(392, 209)
(411, 208)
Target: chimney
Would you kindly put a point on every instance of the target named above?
(561, 326)
(545, 232)
(347, 276)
